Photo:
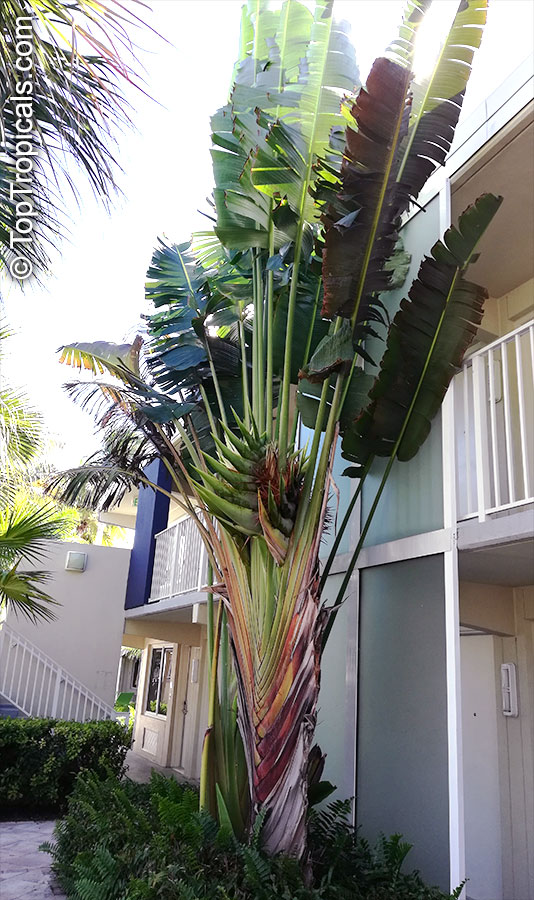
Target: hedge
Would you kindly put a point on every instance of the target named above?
(40, 759)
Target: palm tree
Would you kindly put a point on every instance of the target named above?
(268, 315)
(25, 524)
(61, 67)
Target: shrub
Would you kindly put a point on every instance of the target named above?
(42, 757)
(124, 841)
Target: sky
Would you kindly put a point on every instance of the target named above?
(96, 291)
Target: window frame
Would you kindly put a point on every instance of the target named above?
(163, 648)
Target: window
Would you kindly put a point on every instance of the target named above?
(159, 681)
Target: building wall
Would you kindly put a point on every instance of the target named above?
(412, 501)
(402, 783)
(336, 717)
(86, 636)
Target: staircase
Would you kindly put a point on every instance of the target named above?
(8, 711)
(33, 684)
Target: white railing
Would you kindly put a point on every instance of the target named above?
(179, 561)
(494, 422)
(39, 687)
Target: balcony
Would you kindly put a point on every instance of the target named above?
(494, 426)
(180, 564)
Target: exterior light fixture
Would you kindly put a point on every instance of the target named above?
(76, 561)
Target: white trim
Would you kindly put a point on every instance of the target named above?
(499, 109)
(352, 666)
(452, 652)
(411, 547)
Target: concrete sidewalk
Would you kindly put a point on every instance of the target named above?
(139, 769)
(24, 869)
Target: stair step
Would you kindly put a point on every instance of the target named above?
(9, 710)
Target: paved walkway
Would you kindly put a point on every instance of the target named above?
(24, 869)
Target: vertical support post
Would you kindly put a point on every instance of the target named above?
(452, 652)
(201, 566)
(522, 418)
(452, 615)
(174, 542)
(55, 697)
(493, 423)
(480, 408)
(508, 424)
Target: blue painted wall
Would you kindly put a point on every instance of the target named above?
(152, 517)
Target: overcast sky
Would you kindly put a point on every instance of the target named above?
(96, 290)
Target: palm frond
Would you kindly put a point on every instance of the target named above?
(77, 105)
(22, 592)
(25, 530)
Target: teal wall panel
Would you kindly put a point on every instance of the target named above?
(412, 501)
(402, 773)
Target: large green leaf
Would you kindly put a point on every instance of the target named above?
(426, 344)
(437, 102)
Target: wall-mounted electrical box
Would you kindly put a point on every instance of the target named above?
(509, 690)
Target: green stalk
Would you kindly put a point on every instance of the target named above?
(211, 420)
(312, 458)
(216, 385)
(306, 358)
(244, 371)
(270, 326)
(286, 378)
(209, 610)
(318, 486)
(212, 705)
(259, 413)
(255, 339)
(284, 415)
(341, 531)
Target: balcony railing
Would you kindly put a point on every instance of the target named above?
(179, 562)
(494, 422)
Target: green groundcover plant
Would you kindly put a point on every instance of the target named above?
(42, 757)
(126, 841)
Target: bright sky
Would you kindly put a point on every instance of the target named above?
(96, 291)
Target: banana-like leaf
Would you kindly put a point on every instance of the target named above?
(360, 240)
(283, 166)
(101, 356)
(175, 275)
(426, 344)
(437, 102)
(401, 50)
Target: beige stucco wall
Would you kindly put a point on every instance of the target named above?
(489, 607)
(86, 636)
